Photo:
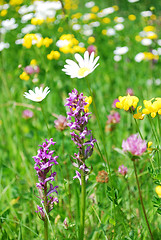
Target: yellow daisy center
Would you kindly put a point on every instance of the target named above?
(82, 71)
(38, 97)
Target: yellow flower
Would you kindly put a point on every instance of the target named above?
(138, 38)
(158, 191)
(126, 102)
(153, 17)
(28, 38)
(91, 40)
(15, 2)
(47, 41)
(76, 15)
(24, 76)
(3, 13)
(33, 62)
(50, 20)
(60, 29)
(89, 101)
(95, 9)
(116, 8)
(149, 29)
(139, 115)
(106, 20)
(104, 31)
(132, 17)
(53, 55)
(149, 146)
(152, 107)
(37, 21)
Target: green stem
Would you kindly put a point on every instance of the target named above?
(155, 136)
(83, 198)
(141, 200)
(46, 212)
(99, 124)
(45, 118)
(138, 129)
(103, 141)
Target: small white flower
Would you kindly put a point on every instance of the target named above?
(119, 19)
(117, 58)
(76, 27)
(146, 41)
(159, 42)
(133, 1)
(4, 45)
(28, 28)
(9, 24)
(110, 32)
(38, 95)
(83, 68)
(139, 57)
(146, 13)
(121, 50)
(89, 4)
(119, 27)
(157, 82)
(27, 17)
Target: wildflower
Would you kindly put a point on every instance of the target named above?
(158, 191)
(53, 55)
(122, 170)
(76, 103)
(37, 21)
(149, 146)
(91, 49)
(83, 68)
(65, 223)
(139, 115)
(38, 95)
(44, 161)
(3, 13)
(119, 27)
(102, 177)
(114, 102)
(27, 114)
(152, 107)
(9, 24)
(132, 17)
(135, 145)
(113, 119)
(88, 100)
(61, 123)
(4, 45)
(24, 76)
(129, 91)
(127, 102)
(121, 50)
(91, 40)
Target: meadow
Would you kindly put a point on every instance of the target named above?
(92, 120)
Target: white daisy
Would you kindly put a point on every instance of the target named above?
(83, 68)
(38, 95)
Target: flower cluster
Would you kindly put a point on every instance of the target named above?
(44, 161)
(77, 105)
(151, 107)
(29, 70)
(67, 43)
(127, 102)
(122, 170)
(135, 145)
(113, 119)
(61, 123)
